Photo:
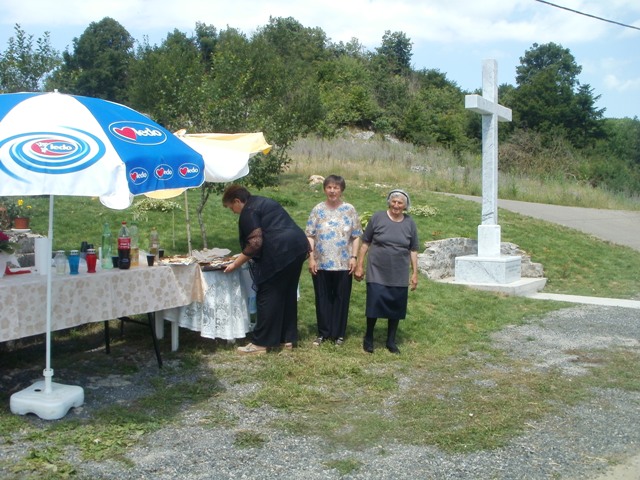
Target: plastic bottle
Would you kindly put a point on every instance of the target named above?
(106, 247)
(154, 242)
(135, 244)
(124, 247)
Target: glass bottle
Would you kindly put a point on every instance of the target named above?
(124, 247)
(74, 262)
(91, 260)
(135, 244)
(106, 247)
(60, 262)
(154, 242)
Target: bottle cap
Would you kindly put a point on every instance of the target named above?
(74, 252)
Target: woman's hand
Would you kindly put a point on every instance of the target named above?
(359, 273)
(313, 265)
(353, 262)
(230, 268)
(414, 281)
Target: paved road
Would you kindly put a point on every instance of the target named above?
(617, 226)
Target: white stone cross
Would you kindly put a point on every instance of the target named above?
(492, 113)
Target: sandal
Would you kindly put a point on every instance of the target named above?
(318, 341)
(251, 349)
(340, 341)
(287, 346)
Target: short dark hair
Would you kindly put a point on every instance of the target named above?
(235, 191)
(337, 179)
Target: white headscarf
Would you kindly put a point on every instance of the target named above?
(396, 192)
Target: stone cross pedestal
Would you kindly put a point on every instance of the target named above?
(488, 266)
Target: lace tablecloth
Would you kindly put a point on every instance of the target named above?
(223, 313)
(93, 297)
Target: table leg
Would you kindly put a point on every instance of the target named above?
(159, 326)
(107, 338)
(152, 316)
(175, 333)
(150, 322)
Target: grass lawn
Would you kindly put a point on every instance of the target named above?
(422, 396)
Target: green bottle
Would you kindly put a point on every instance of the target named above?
(106, 247)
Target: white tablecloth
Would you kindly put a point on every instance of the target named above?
(224, 312)
(93, 297)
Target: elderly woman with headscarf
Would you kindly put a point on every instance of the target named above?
(390, 241)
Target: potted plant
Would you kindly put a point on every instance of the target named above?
(18, 211)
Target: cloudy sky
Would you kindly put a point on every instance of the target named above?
(453, 36)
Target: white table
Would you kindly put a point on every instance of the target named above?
(223, 313)
(92, 297)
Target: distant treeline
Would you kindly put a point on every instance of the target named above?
(288, 81)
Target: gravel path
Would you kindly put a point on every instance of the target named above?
(583, 442)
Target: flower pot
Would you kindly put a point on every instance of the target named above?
(21, 223)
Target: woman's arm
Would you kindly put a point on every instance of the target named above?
(252, 248)
(353, 261)
(313, 265)
(359, 272)
(414, 270)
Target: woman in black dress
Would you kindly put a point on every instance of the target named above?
(275, 248)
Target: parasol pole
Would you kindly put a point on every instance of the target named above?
(186, 209)
(48, 371)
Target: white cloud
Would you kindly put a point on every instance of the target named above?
(622, 86)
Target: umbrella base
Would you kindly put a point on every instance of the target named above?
(48, 406)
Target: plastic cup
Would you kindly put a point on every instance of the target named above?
(161, 253)
(150, 260)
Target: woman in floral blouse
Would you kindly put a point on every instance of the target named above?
(333, 230)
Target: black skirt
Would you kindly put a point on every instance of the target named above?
(386, 302)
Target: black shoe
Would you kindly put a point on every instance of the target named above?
(367, 345)
(393, 348)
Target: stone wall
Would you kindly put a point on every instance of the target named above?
(25, 252)
(439, 258)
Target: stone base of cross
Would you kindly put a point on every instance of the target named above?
(488, 266)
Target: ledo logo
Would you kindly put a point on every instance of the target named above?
(188, 170)
(138, 133)
(53, 148)
(138, 175)
(163, 172)
(50, 153)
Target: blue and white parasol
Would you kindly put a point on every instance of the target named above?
(58, 144)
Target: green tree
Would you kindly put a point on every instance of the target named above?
(550, 99)
(207, 38)
(395, 52)
(168, 82)
(99, 64)
(390, 70)
(23, 67)
(347, 94)
(436, 113)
